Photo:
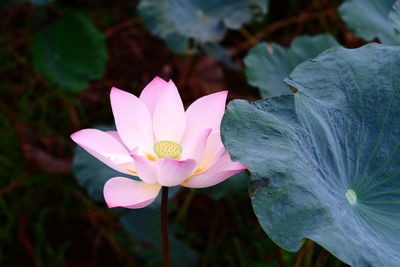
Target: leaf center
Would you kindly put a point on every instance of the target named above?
(351, 196)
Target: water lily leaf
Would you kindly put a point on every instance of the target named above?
(394, 17)
(325, 162)
(220, 54)
(41, 2)
(369, 19)
(234, 185)
(92, 174)
(268, 64)
(177, 21)
(145, 224)
(70, 52)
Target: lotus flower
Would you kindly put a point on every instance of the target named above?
(160, 143)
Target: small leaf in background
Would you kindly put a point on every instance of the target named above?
(145, 225)
(268, 64)
(70, 52)
(41, 2)
(92, 174)
(205, 21)
(220, 54)
(325, 162)
(234, 185)
(369, 19)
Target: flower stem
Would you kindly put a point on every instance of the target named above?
(322, 258)
(164, 226)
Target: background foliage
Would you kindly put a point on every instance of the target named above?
(59, 60)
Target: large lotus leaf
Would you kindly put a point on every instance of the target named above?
(268, 64)
(369, 19)
(394, 17)
(205, 21)
(70, 52)
(325, 162)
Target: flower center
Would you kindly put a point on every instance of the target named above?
(351, 196)
(167, 149)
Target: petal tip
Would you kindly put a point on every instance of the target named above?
(116, 91)
(158, 79)
(78, 134)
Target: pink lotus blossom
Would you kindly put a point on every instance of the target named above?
(160, 143)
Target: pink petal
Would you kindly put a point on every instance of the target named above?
(169, 115)
(128, 193)
(132, 119)
(100, 144)
(214, 150)
(115, 135)
(196, 147)
(145, 169)
(172, 172)
(219, 172)
(206, 112)
(152, 93)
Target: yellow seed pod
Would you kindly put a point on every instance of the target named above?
(167, 149)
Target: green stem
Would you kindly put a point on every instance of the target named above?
(164, 226)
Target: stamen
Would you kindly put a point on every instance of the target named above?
(167, 149)
(199, 170)
(150, 157)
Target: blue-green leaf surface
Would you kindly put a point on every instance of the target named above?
(205, 21)
(268, 64)
(369, 19)
(92, 174)
(325, 162)
(394, 17)
(70, 52)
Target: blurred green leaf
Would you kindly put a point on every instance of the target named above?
(70, 52)
(145, 224)
(267, 65)
(234, 185)
(92, 174)
(204, 21)
(220, 54)
(325, 161)
(369, 19)
(41, 2)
